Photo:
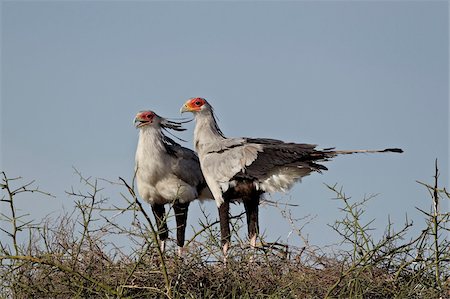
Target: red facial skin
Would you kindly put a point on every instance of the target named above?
(147, 115)
(195, 104)
(144, 118)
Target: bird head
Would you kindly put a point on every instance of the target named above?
(151, 119)
(194, 105)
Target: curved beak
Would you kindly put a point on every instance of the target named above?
(139, 121)
(185, 108)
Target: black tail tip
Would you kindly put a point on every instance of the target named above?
(393, 150)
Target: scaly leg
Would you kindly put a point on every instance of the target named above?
(251, 209)
(224, 217)
(181, 212)
(161, 224)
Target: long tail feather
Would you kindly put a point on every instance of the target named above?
(387, 150)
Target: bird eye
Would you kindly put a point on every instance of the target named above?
(199, 102)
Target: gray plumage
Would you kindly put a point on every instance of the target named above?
(244, 168)
(166, 172)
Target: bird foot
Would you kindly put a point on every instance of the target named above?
(253, 241)
(182, 251)
(225, 252)
(162, 246)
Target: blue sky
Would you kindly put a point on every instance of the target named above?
(351, 74)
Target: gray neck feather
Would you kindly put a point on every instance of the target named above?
(206, 130)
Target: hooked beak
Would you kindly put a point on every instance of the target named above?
(143, 118)
(185, 108)
(139, 122)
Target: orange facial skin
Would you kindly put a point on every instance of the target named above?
(194, 104)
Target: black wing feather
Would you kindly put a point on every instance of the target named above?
(277, 153)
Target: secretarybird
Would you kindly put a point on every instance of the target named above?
(243, 169)
(167, 173)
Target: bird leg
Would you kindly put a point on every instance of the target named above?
(251, 205)
(162, 245)
(160, 216)
(224, 217)
(181, 212)
(181, 251)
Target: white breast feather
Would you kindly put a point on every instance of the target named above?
(155, 181)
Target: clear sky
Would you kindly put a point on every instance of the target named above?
(352, 74)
